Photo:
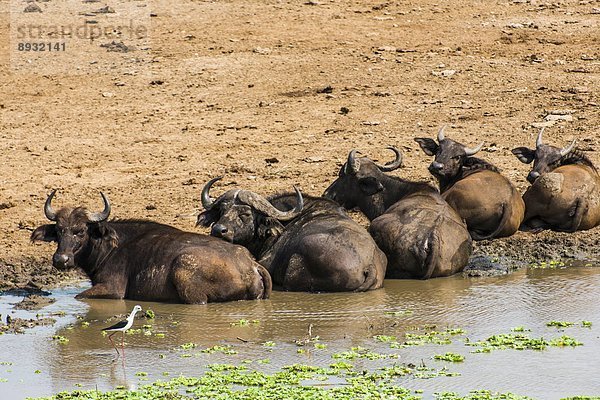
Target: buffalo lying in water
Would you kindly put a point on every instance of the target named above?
(565, 188)
(488, 202)
(144, 260)
(306, 244)
(422, 236)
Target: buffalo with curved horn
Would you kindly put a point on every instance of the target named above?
(251, 199)
(307, 244)
(421, 235)
(144, 260)
(565, 188)
(353, 164)
(488, 202)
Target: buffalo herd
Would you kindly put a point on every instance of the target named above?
(310, 244)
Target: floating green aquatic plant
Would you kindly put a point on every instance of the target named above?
(520, 341)
(226, 381)
(341, 365)
(188, 346)
(565, 341)
(227, 367)
(428, 373)
(520, 329)
(227, 349)
(479, 395)
(398, 370)
(560, 324)
(449, 356)
(244, 322)
(360, 352)
(515, 341)
(435, 337)
(384, 338)
(60, 339)
(552, 264)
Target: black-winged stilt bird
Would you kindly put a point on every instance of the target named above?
(122, 326)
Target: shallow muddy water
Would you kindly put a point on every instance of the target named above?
(265, 333)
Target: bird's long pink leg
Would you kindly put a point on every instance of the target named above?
(113, 343)
(123, 343)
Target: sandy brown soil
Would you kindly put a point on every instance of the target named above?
(226, 85)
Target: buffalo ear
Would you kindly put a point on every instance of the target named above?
(104, 232)
(45, 233)
(207, 218)
(429, 146)
(370, 185)
(524, 154)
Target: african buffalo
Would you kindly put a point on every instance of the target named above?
(487, 201)
(422, 236)
(306, 244)
(144, 260)
(565, 188)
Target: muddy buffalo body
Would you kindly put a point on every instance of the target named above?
(488, 202)
(565, 188)
(306, 244)
(421, 235)
(144, 260)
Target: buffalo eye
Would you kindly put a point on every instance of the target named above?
(246, 216)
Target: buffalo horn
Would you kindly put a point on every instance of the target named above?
(353, 162)
(101, 216)
(470, 152)
(261, 204)
(538, 141)
(207, 201)
(397, 163)
(48, 210)
(441, 134)
(566, 150)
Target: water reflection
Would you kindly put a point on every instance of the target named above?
(482, 307)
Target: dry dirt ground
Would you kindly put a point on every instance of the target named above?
(276, 93)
